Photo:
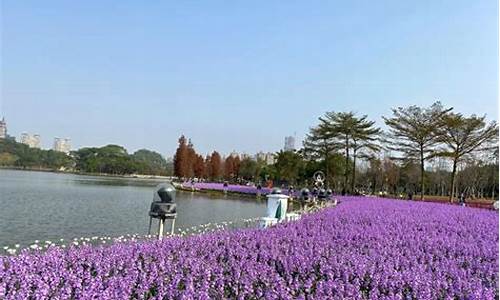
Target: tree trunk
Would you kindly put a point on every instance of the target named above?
(421, 173)
(327, 173)
(346, 171)
(353, 183)
(452, 181)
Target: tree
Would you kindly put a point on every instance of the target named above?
(191, 159)
(288, 166)
(150, 162)
(236, 166)
(248, 168)
(110, 159)
(7, 159)
(181, 159)
(412, 133)
(319, 145)
(229, 168)
(340, 126)
(215, 166)
(199, 167)
(345, 130)
(462, 136)
(364, 137)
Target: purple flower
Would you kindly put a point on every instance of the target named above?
(365, 248)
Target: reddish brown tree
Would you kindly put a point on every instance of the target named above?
(229, 167)
(199, 167)
(208, 167)
(215, 166)
(191, 159)
(181, 159)
(236, 166)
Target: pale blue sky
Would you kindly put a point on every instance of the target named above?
(236, 75)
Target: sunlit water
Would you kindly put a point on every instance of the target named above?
(50, 206)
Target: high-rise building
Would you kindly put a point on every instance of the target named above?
(32, 140)
(3, 129)
(289, 143)
(62, 145)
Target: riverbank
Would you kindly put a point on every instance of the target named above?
(131, 176)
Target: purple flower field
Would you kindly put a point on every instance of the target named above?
(365, 248)
(235, 188)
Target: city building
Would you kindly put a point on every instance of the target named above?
(245, 156)
(62, 145)
(267, 158)
(3, 129)
(32, 140)
(289, 143)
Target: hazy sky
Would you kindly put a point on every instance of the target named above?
(235, 75)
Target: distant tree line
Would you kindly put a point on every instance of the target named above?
(114, 159)
(19, 155)
(425, 150)
(110, 159)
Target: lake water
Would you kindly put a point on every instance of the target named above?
(50, 206)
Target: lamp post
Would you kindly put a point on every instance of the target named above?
(163, 207)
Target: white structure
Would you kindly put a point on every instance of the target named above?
(32, 140)
(62, 145)
(268, 157)
(289, 143)
(245, 156)
(3, 129)
(277, 205)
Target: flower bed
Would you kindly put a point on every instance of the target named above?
(365, 248)
(233, 188)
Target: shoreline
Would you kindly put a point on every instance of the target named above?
(105, 175)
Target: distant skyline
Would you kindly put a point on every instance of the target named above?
(235, 76)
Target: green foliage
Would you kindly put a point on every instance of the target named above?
(412, 132)
(110, 159)
(114, 159)
(19, 155)
(150, 162)
(7, 159)
(342, 131)
(289, 166)
(461, 136)
(248, 169)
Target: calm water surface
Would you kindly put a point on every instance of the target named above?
(50, 206)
